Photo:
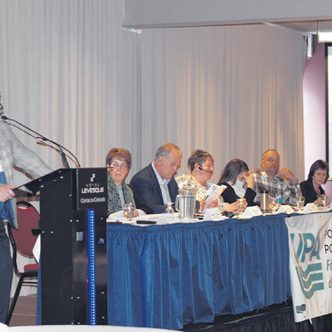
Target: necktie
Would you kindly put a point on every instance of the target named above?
(6, 210)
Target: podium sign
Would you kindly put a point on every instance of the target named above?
(68, 198)
(92, 190)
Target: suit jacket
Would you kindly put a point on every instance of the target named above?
(309, 192)
(147, 192)
(14, 153)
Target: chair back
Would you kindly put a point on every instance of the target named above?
(27, 220)
(23, 240)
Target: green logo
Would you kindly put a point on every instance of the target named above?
(309, 266)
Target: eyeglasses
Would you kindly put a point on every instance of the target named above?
(119, 166)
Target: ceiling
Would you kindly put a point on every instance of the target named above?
(307, 27)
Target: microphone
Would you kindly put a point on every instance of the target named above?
(43, 141)
(205, 170)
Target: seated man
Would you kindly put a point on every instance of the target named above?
(292, 183)
(267, 178)
(154, 186)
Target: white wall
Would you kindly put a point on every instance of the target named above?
(314, 107)
(180, 13)
(315, 121)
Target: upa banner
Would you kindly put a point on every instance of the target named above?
(310, 264)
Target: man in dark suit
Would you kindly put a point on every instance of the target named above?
(154, 186)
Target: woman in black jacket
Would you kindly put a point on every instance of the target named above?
(239, 182)
(312, 188)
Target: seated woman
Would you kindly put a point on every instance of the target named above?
(118, 163)
(239, 182)
(312, 188)
(201, 165)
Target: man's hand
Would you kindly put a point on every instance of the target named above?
(287, 174)
(6, 192)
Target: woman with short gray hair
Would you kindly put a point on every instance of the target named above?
(118, 163)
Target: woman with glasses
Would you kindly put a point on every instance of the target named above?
(201, 166)
(118, 163)
(312, 189)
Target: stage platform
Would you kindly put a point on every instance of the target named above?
(275, 318)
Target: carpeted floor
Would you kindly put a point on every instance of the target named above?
(25, 311)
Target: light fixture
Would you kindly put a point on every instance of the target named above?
(324, 36)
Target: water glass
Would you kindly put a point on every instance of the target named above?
(169, 208)
(242, 204)
(274, 204)
(324, 200)
(128, 211)
(300, 202)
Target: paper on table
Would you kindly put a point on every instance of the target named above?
(250, 211)
(213, 193)
(285, 209)
(116, 216)
(310, 207)
(213, 214)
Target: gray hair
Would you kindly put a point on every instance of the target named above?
(166, 149)
(198, 157)
(270, 150)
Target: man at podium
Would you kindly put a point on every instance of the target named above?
(12, 153)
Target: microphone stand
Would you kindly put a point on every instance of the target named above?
(55, 148)
(60, 149)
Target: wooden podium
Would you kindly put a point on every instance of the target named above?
(73, 271)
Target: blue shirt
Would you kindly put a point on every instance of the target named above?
(6, 210)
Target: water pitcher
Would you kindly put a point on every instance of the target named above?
(185, 203)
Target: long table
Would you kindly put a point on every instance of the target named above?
(171, 275)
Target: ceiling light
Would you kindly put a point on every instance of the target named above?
(324, 36)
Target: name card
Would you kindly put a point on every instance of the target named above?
(285, 209)
(310, 207)
(251, 211)
(213, 214)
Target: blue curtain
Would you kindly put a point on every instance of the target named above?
(172, 275)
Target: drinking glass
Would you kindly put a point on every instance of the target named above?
(242, 204)
(169, 208)
(274, 203)
(300, 202)
(128, 211)
(324, 200)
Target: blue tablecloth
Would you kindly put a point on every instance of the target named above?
(168, 276)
